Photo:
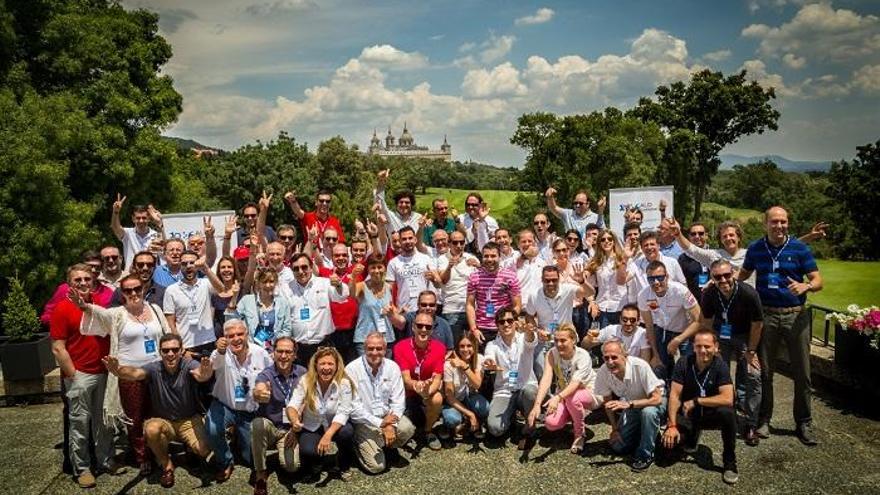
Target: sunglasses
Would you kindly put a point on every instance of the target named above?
(656, 278)
(300, 268)
(250, 216)
(579, 203)
(144, 264)
(427, 305)
(324, 201)
(697, 234)
(507, 321)
(457, 243)
(82, 279)
(628, 320)
(331, 239)
(723, 276)
(132, 290)
(423, 326)
(606, 239)
(572, 239)
(169, 350)
(110, 258)
(287, 237)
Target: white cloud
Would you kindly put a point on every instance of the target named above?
(820, 32)
(757, 71)
(280, 7)
(496, 47)
(792, 61)
(503, 80)
(540, 16)
(717, 56)
(867, 79)
(466, 47)
(393, 58)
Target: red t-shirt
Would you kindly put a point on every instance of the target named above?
(345, 314)
(310, 218)
(85, 351)
(429, 362)
(101, 296)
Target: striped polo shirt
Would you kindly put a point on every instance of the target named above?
(795, 260)
(499, 287)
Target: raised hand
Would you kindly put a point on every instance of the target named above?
(357, 270)
(372, 229)
(290, 197)
(663, 205)
(203, 372)
(265, 201)
(75, 297)
(201, 263)
(231, 225)
(484, 210)
(550, 192)
(208, 228)
(117, 205)
(600, 205)
(155, 215)
(383, 176)
(222, 344)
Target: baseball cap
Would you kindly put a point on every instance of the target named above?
(241, 253)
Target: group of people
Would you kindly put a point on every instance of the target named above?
(428, 327)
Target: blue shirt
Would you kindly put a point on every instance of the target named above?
(163, 277)
(673, 250)
(282, 390)
(441, 331)
(795, 260)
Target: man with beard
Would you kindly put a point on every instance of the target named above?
(489, 289)
(187, 306)
(440, 221)
(410, 271)
(319, 219)
(176, 415)
(631, 336)
(344, 313)
(404, 201)
(137, 238)
(143, 266)
(250, 212)
(111, 267)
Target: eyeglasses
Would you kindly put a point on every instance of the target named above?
(324, 201)
(112, 257)
(287, 237)
(579, 203)
(331, 239)
(606, 239)
(656, 278)
(144, 264)
(723, 276)
(457, 243)
(299, 268)
(133, 290)
(624, 319)
(423, 326)
(169, 350)
(697, 234)
(551, 280)
(507, 321)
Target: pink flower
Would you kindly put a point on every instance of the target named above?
(873, 318)
(858, 325)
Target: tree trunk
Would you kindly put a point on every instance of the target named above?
(699, 192)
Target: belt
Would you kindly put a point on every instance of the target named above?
(783, 311)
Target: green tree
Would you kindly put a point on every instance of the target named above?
(855, 189)
(717, 111)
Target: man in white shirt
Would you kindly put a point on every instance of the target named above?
(634, 403)
(477, 223)
(628, 332)
(187, 306)
(672, 316)
(236, 364)
(403, 214)
(456, 270)
(528, 265)
(138, 238)
(580, 215)
(651, 252)
(309, 298)
(544, 237)
(410, 271)
(379, 423)
(506, 254)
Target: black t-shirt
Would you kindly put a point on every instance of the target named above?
(710, 379)
(692, 269)
(744, 308)
(173, 397)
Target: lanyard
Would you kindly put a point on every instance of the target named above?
(774, 258)
(186, 291)
(412, 344)
(285, 385)
(702, 384)
(725, 307)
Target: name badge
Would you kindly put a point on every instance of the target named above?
(418, 371)
(775, 265)
(703, 279)
(553, 326)
(193, 318)
(702, 392)
(284, 419)
(513, 378)
(305, 314)
(262, 334)
(150, 346)
(264, 321)
(240, 394)
(726, 331)
(490, 309)
(773, 280)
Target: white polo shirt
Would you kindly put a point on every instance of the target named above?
(193, 314)
(234, 384)
(552, 311)
(633, 344)
(529, 276)
(639, 381)
(310, 314)
(518, 357)
(640, 280)
(671, 310)
(377, 395)
(133, 243)
(455, 289)
(332, 406)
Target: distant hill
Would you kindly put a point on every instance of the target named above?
(188, 144)
(728, 161)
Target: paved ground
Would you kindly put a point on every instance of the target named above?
(846, 461)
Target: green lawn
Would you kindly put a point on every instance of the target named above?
(500, 202)
(845, 283)
(741, 215)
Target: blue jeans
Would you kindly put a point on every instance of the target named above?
(638, 429)
(663, 337)
(458, 323)
(219, 418)
(608, 318)
(475, 402)
(580, 317)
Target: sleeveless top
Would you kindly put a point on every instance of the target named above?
(370, 318)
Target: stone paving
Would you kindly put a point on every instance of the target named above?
(847, 460)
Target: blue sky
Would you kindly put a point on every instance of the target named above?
(248, 69)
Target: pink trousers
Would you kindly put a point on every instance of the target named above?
(572, 408)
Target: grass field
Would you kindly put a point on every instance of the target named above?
(741, 215)
(500, 202)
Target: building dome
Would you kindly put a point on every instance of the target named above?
(406, 138)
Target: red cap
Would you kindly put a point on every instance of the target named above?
(241, 253)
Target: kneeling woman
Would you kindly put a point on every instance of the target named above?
(571, 366)
(462, 378)
(319, 409)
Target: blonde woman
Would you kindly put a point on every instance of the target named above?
(571, 368)
(462, 378)
(134, 329)
(609, 270)
(319, 410)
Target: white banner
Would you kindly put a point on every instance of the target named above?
(646, 199)
(183, 225)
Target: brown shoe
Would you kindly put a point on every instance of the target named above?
(167, 478)
(224, 474)
(260, 488)
(86, 480)
(752, 438)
